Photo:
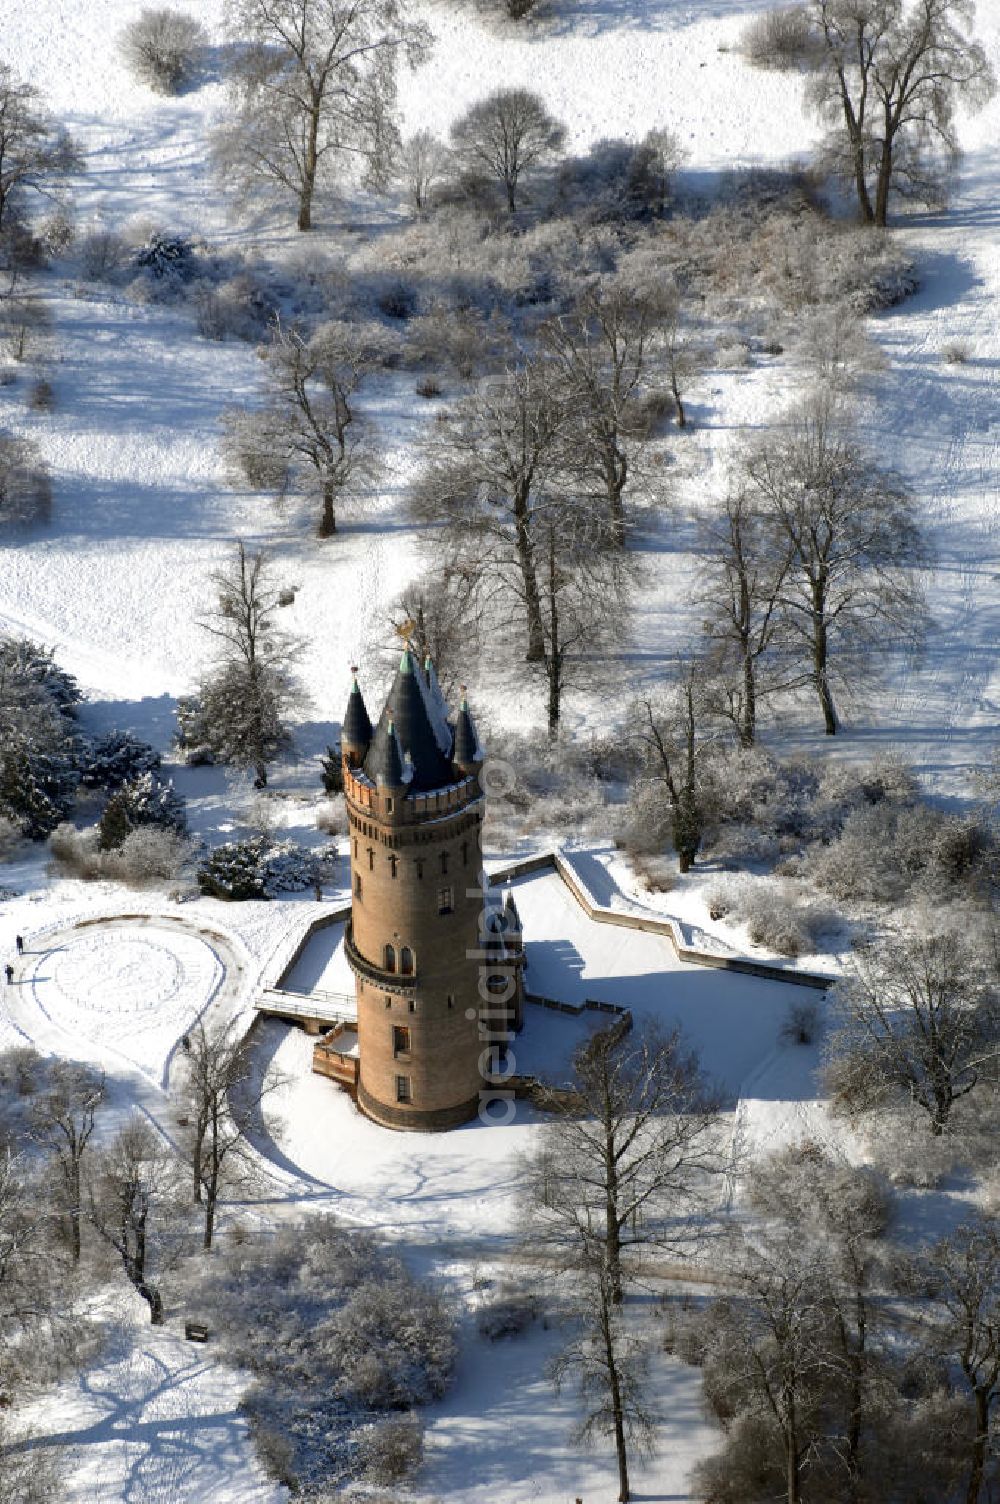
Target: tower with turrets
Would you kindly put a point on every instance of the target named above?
(434, 956)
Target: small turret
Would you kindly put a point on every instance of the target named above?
(386, 765)
(468, 754)
(356, 731)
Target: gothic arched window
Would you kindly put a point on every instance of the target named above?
(390, 958)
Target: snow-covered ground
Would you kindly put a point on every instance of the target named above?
(142, 515)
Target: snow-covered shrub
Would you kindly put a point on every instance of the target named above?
(77, 852)
(238, 308)
(113, 759)
(508, 1314)
(261, 867)
(334, 1331)
(144, 800)
(26, 667)
(331, 817)
(803, 1023)
(22, 1071)
(778, 39)
(884, 850)
(103, 254)
(234, 871)
(167, 257)
(37, 788)
(956, 352)
(24, 323)
(775, 914)
(251, 458)
(149, 854)
(42, 397)
(163, 48)
(391, 1450)
(397, 1344)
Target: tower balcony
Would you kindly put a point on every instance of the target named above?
(403, 985)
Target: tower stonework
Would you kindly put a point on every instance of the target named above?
(415, 809)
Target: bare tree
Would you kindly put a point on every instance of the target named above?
(424, 161)
(24, 321)
(835, 348)
(676, 734)
(34, 151)
(224, 1092)
(583, 590)
(620, 1169)
(312, 427)
(888, 76)
(611, 1364)
(601, 352)
(314, 85)
(766, 1353)
(131, 1181)
(627, 1157)
(740, 593)
(27, 1270)
(847, 526)
(848, 1210)
(446, 609)
(505, 135)
(64, 1117)
(961, 1276)
(246, 700)
(491, 463)
(683, 355)
(918, 1018)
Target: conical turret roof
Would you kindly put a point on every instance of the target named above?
(357, 726)
(467, 748)
(407, 709)
(386, 764)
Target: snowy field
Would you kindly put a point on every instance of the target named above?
(142, 515)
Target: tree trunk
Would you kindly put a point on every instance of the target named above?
(614, 1386)
(791, 1451)
(196, 1153)
(328, 522)
(748, 721)
(820, 656)
(554, 658)
(210, 1201)
(881, 216)
(308, 185)
(74, 1210)
(675, 388)
(612, 1232)
(532, 598)
(152, 1296)
(979, 1447)
(615, 475)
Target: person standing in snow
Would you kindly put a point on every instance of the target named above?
(9, 973)
(19, 942)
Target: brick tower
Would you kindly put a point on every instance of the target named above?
(415, 811)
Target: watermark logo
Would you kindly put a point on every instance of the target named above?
(497, 981)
